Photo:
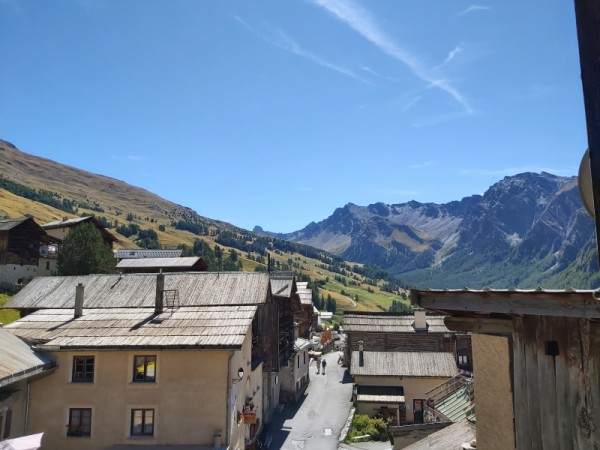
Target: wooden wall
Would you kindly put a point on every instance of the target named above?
(556, 383)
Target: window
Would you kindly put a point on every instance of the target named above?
(142, 422)
(463, 360)
(83, 369)
(144, 369)
(80, 422)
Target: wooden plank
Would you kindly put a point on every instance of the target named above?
(594, 373)
(565, 419)
(521, 406)
(530, 325)
(549, 408)
(563, 304)
(479, 325)
(587, 14)
(576, 403)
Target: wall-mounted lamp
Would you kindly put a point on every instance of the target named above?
(240, 376)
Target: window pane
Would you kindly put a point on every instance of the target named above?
(149, 422)
(138, 368)
(150, 368)
(136, 421)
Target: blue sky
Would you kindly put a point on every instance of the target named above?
(274, 113)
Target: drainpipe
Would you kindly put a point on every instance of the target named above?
(228, 409)
(27, 395)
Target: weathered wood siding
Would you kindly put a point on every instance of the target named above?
(556, 396)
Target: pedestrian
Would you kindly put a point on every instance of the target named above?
(318, 366)
(324, 365)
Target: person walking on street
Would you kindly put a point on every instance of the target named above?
(318, 366)
(324, 365)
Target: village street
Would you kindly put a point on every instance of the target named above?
(316, 421)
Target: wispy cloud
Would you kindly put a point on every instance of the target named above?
(421, 165)
(507, 171)
(361, 21)
(473, 8)
(135, 158)
(372, 72)
(411, 102)
(280, 39)
(451, 55)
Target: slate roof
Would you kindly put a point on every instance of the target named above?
(18, 360)
(139, 290)
(387, 323)
(404, 364)
(145, 253)
(117, 328)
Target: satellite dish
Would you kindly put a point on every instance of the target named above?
(584, 180)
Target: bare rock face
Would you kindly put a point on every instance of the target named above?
(527, 230)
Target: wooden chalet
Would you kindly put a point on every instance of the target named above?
(307, 322)
(60, 228)
(536, 358)
(20, 243)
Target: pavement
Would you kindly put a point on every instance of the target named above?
(317, 419)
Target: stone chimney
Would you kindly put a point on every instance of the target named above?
(160, 287)
(420, 320)
(79, 300)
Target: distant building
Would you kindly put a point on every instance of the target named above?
(155, 265)
(147, 253)
(22, 244)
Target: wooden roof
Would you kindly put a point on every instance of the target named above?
(139, 290)
(9, 224)
(451, 437)
(18, 360)
(404, 364)
(67, 223)
(116, 328)
(499, 302)
(305, 293)
(389, 323)
(282, 283)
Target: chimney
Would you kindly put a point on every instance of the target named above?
(420, 320)
(160, 287)
(79, 300)
(361, 358)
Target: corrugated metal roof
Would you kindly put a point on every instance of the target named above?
(378, 323)
(17, 358)
(218, 327)
(281, 283)
(405, 364)
(137, 254)
(9, 224)
(139, 290)
(156, 263)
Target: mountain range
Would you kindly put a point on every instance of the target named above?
(526, 231)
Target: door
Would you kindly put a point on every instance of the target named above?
(418, 410)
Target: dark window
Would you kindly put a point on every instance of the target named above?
(80, 422)
(142, 422)
(83, 369)
(144, 369)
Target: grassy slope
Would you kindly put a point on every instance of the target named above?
(118, 198)
(7, 315)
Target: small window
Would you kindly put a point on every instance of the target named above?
(142, 422)
(462, 360)
(144, 369)
(80, 422)
(83, 369)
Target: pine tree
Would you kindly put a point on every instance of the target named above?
(84, 251)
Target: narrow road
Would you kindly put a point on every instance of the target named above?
(316, 421)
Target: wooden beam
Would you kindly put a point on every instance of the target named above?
(481, 325)
(543, 303)
(587, 15)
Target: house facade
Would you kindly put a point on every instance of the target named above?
(132, 370)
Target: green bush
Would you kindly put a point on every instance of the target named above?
(363, 425)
